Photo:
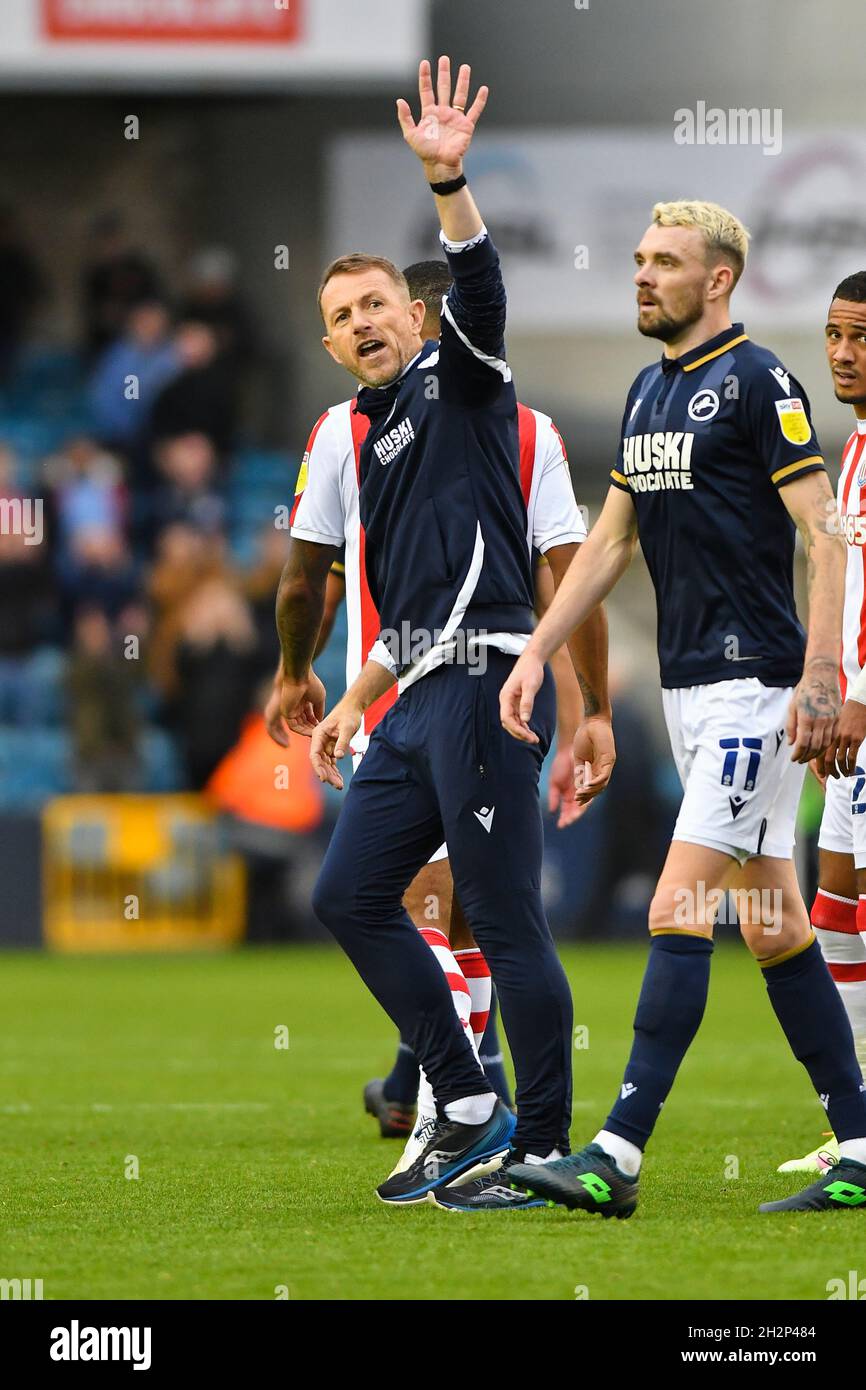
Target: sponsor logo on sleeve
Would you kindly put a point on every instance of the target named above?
(793, 420)
(303, 474)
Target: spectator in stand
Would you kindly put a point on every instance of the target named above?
(201, 399)
(129, 376)
(188, 489)
(93, 559)
(98, 572)
(104, 722)
(116, 277)
(185, 558)
(87, 489)
(217, 674)
(203, 650)
(212, 297)
(21, 286)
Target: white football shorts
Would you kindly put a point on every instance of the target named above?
(741, 790)
(843, 824)
(442, 851)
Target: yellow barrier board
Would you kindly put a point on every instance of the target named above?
(138, 873)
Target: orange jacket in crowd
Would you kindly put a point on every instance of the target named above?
(260, 782)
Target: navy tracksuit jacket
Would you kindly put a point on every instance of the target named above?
(447, 553)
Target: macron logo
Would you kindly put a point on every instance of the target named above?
(627, 1089)
(782, 377)
(388, 447)
(485, 816)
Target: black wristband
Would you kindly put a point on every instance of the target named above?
(450, 186)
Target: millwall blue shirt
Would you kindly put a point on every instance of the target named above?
(440, 498)
(708, 440)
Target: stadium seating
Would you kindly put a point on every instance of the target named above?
(36, 764)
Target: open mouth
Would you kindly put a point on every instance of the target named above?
(371, 347)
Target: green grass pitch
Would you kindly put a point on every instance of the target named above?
(257, 1167)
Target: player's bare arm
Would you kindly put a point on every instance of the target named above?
(331, 738)
(569, 713)
(441, 138)
(813, 722)
(300, 605)
(593, 572)
(593, 748)
(852, 734)
(335, 592)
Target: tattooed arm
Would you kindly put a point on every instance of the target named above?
(298, 701)
(813, 721)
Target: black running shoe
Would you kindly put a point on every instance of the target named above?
(452, 1149)
(494, 1192)
(395, 1120)
(588, 1180)
(844, 1185)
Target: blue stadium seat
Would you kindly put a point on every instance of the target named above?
(34, 765)
(162, 769)
(29, 435)
(244, 546)
(49, 366)
(40, 694)
(48, 382)
(252, 468)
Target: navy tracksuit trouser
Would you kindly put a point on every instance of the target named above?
(440, 766)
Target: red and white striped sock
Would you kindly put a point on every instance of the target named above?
(840, 926)
(477, 974)
(461, 999)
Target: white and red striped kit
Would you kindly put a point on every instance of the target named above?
(840, 923)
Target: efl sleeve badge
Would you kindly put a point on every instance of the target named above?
(793, 420)
(303, 474)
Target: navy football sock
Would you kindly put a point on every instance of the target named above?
(671, 1005)
(401, 1083)
(490, 1056)
(813, 1018)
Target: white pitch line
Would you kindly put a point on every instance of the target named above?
(100, 1109)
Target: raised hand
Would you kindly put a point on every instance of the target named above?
(445, 128)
